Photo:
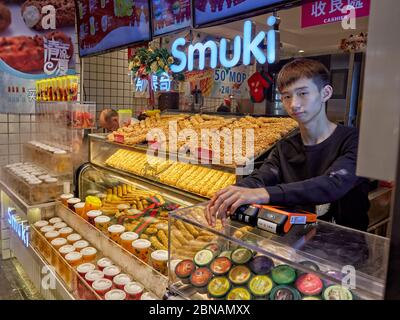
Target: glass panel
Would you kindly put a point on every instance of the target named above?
(336, 250)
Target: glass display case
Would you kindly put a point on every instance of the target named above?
(56, 160)
(31, 182)
(197, 181)
(237, 261)
(131, 204)
(90, 264)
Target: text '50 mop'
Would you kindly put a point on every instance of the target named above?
(248, 46)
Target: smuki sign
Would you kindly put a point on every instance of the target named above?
(245, 47)
(19, 226)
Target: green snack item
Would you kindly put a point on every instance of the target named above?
(241, 255)
(337, 292)
(203, 257)
(283, 292)
(239, 293)
(283, 274)
(260, 285)
(239, 275)
(218, 287)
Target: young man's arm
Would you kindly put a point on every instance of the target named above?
(338, 180)
(250, 190)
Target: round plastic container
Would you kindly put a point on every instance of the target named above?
(115, 232)
(159, 259)
(40, 224)
(126, 240)
(84, 268)
(65, 197)
(46, 229)
(102, 223)
(60, 225)
(94, 275)
(102, 286)
(111, 271)
(74, 258)
(64, 250)
(55, 220)
(141, 249)
(121, 280)
(65, 232)
(104, 262)
(115, 294)
(71, 202)
(133, 290)
(72, 238)
(89, 254)
(80, 244)
(92, 214)
(51, 235)
(79, 209)
(57, 243)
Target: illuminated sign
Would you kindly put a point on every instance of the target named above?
(248, 46)
(19, 226)
(158, 83)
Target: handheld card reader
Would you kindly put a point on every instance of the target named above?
(247, 214)
(274, 219)
(279, 220)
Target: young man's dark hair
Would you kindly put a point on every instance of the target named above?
(303, 68)
(314, 169)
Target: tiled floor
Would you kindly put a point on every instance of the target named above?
(14, 283)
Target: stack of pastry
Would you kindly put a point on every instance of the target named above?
(125, 195)
(213, 132)
(196, 179)
(187, 239)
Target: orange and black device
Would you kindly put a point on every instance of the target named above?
(274, 219)
(279, 220)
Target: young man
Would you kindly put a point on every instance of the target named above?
(109, 120)
(313, 169)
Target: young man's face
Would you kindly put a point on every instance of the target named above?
(304, 101)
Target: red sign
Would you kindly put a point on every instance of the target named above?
(328, 11)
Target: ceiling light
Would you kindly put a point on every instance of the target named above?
(301, 51)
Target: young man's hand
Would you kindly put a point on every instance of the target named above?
(227, 200)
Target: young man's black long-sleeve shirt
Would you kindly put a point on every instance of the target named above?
(307, 176)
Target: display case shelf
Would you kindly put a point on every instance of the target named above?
(152, 280)
(336, 250)
(154, 170)
(67, 275)
(25, 207)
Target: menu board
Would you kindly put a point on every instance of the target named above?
(170, 16)
(209, 11)
(110, 24)
(34, 45)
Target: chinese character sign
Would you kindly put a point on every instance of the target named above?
(160, 82)
(328, 11)
(56, 57)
